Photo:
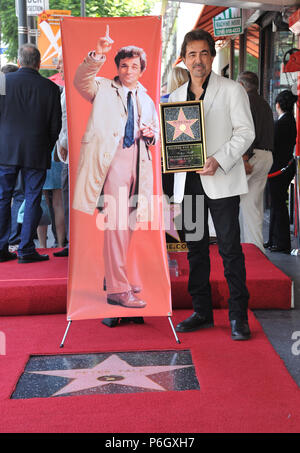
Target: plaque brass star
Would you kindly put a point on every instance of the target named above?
(182, 125)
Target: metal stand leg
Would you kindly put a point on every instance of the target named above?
(297, 213)
(66, 332)
(174, 332)
(297, 208)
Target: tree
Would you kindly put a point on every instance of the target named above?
(94, 8)
(9, 28)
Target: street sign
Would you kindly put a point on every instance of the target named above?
(34, 7)
(229, 22)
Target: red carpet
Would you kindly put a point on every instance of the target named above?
(268, 286)
(41, 288)
(34, 288)
(244, 386)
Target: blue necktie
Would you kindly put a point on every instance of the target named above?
(129, 128)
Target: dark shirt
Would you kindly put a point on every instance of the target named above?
(191, 96)
(263, 122)
(192, 178)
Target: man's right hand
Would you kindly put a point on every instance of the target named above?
(104, 44)
(63, 153)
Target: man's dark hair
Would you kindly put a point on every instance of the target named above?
(29, 56)
(131, 52)
(249, 80)
(286, 100)
(10, 67)
(198, 35)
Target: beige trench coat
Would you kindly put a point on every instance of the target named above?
(104, 131)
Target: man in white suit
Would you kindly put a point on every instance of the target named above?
(229, 132)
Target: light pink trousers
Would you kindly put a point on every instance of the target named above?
(119, 185)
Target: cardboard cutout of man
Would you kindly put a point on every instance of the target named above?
(115, 157)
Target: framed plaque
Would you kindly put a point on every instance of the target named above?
(182, 136)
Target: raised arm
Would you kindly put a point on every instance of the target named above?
(85, 77)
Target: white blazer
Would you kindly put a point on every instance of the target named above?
(229, 131)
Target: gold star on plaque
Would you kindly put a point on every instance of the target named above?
(182, 125)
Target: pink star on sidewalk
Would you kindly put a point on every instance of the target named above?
(112, 370)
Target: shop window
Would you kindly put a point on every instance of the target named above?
(283, 41)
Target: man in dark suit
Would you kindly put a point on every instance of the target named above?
(285, 134)
(30, 121)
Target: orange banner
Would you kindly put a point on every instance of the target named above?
(118, 264)
(49, 36)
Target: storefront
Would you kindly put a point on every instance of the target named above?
(262, 47)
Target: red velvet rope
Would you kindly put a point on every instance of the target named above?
(279, 172)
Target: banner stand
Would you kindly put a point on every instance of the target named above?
(69, 324)
(98, 167)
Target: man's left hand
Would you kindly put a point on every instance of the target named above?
(210, 167)
(147, 131)
(248, 167)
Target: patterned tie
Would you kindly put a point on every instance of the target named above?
(129, 128)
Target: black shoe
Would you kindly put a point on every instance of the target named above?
(134, 319)
(64, 252)
(110, 322)
(267, 245)
(274, 248)
(194, 322)
(5, 255)
(240, 330)
(32, 258)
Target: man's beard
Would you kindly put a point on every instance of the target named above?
(200, 67)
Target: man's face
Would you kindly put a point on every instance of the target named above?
(129, 71)
(198, 59)
(60, 66)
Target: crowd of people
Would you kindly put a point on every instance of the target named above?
(241, 153)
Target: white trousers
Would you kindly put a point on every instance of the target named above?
(251, 205)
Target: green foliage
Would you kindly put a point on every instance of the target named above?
(9, 29)
(94, 8)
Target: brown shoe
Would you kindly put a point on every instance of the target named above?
(127, 299)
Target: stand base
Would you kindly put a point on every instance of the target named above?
(69, 324)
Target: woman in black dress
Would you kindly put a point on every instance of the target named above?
(285, 132)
